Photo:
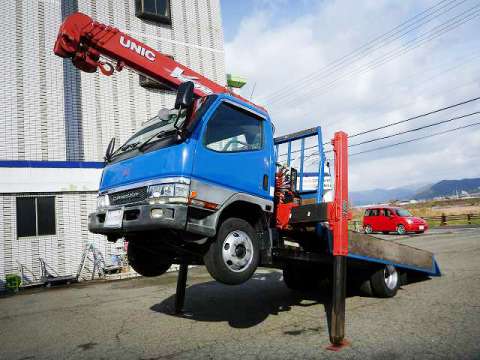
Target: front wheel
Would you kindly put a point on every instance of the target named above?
(234, 255)
(143, 259)
(368, 229)
(401, 229)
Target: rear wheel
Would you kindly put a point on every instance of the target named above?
(144, 260)
(385, 282)
(401, 229)
(234, 255)
(368, 229)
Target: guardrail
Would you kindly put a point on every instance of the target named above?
(445, 219)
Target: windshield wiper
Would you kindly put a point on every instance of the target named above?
(123, 149)
(129, 146)
(157, 135)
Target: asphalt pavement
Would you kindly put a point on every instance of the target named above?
(261, 319)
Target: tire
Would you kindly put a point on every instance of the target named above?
(144, 261)
(368, 229)
(234, 255)
(401, 229)
(385, 282)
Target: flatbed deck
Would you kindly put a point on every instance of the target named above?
(366, 250)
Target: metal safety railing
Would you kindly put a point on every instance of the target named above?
(301, 137)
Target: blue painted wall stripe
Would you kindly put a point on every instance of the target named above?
(51, 164)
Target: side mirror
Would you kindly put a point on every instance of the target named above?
(110, 148)
(185, 95)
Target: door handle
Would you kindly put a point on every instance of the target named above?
(265, 182)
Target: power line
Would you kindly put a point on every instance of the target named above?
(415, 117)
(409, 141)
(427, 80)
(396, 123)
(416, 129)
(416, 139)
(343, 59)
(449, 25)
(473, 56)
(337, 68)
(404, 142)
(315, 153)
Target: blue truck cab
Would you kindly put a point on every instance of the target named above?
(199, 185)
(169, 189)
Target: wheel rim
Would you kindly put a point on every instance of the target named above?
(401, 229)
(237, 251)
(391, 277)
(368, 229)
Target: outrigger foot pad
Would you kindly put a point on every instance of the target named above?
(339, 346)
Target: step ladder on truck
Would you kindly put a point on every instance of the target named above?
(199, 184)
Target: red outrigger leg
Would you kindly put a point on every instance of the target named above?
(339, 215)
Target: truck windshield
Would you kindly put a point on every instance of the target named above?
(403, 212)
(157, 132)
(160, 124)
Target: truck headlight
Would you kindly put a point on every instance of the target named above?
(102, 202)
(168, 193)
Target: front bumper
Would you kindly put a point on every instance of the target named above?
(138, 218)
(416, 227)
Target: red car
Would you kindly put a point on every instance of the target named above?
(386, 219)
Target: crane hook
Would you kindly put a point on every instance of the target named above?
(106, 68)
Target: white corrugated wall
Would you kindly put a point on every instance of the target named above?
(33, 111)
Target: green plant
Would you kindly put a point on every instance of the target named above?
(13, 282)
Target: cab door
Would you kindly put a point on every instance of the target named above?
(233, 151)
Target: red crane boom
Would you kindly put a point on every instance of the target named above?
(85, 40)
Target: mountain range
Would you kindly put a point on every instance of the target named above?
(449, 188)
(417, 192)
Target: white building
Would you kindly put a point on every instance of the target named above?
(57, 121)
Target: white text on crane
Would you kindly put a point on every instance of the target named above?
(178, 74)
(140, 50)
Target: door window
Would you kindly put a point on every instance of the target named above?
(232, 130)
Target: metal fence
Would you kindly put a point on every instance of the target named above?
(445, 219)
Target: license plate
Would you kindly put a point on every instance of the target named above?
(114, 218)
(421, 227)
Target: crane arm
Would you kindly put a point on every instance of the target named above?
(85, 40)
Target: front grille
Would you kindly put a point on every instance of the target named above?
(128, 196)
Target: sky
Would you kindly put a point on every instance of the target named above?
(357, 65)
